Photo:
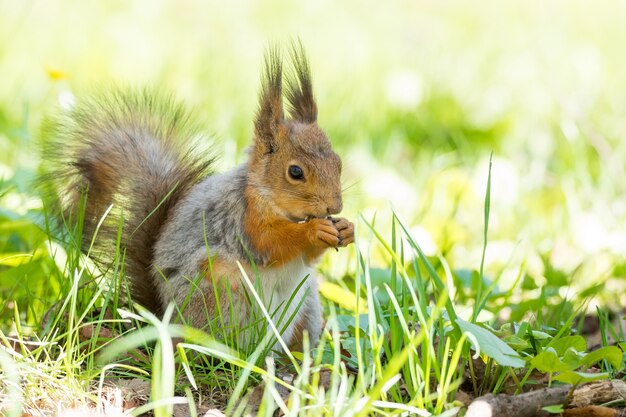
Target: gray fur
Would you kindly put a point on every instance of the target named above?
(209, 222)
(217, 202)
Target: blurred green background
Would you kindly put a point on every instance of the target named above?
(415, 96)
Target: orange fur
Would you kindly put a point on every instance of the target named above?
(223, 271)
(299, 327)
(298, 330)
(281, 240)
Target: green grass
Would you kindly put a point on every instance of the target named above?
(427, 104)
(406, 348)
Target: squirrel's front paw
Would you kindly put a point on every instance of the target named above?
(346, 230)
(324, 233)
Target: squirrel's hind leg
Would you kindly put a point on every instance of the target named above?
(309, 318)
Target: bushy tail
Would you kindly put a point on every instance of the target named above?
(134, 151)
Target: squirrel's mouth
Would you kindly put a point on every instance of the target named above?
(299, 220)
(306, 219)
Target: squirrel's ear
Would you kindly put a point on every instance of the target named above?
(270, 115)
(299, 93)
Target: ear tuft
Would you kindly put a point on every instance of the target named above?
(299, 93)
(270, 114)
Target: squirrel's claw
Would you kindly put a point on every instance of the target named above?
(345, 228)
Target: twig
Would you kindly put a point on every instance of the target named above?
(530, 403)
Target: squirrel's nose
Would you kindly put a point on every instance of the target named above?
(335, 207)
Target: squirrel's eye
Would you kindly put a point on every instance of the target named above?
(296, 172)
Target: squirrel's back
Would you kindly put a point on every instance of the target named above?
(136, 152)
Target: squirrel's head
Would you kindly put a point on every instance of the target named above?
(292, 162)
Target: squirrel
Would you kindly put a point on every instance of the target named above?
(134, 158)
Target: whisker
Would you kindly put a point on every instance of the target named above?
(350, 186)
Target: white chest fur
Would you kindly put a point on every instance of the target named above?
(277, 285)
(283, 291)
